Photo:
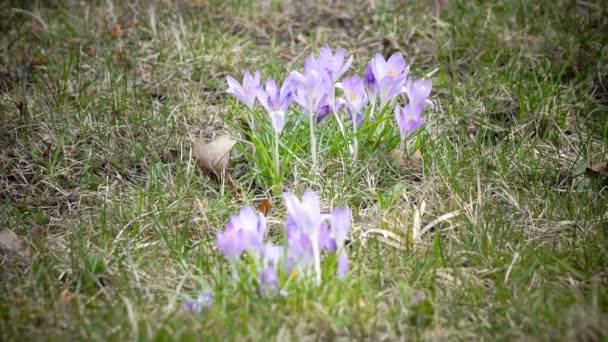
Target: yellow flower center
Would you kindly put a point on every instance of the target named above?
(351, 94)
(392, 72)
(276, 107)
(411, 118)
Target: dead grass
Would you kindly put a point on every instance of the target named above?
(96, 130)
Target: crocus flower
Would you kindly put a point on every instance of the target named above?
(306, 216)
(311, 89)
(299, 248)
(300, 253)
(356, 97)
(386, 77)
(243, 232)
(269, 281)
(204, 299)
(340, 225)
(370, 83)
(332, 64)
(354, 92)
(418, 91)
(276, 101)
(246, 92)
(409, 118)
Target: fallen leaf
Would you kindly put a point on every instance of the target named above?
(265, 206)
(37, 235)
(398, 159)
(119, 55)
(66, 296)
(39, 60)
(11, 244)
(596, 170)
(117, 32)
(92, 52)
(213, 157)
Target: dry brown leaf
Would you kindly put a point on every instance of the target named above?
(117, 32)
(66, 296)
(213, 157)
(92, 52)
(119, 54)
(596, 170)
(265, 206)
(39, 60)
(414, 162)
(11, 244)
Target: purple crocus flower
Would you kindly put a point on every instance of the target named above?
(246, 92)
(269, 281)
(409, 118)
(299, 248)
(276, 101)
(386, 77)
(311, 89)
(306, 216)
(244, 231)
(354, 92)
(356, 97)
(204, 299)
(340, 225)
(418, 91)
(370, 83)
(333, 64)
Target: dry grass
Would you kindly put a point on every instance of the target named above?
(96, 130)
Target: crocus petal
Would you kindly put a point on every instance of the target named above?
(418, 91)
(395, 64)
(325, 239)
(340, 224)
(278, 120)
(269, 281)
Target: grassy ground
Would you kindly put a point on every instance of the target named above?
(96, 130)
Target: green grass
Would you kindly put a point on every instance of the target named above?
(95, 151)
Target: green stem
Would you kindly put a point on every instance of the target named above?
(355, 140)
(277, 167)
(406, 155)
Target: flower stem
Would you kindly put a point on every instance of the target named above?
(406, 154)
(313, 142)
(277, 167)
(315, 251)
(355, 140)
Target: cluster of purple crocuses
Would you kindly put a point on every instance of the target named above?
(314, 90)
(308, 233)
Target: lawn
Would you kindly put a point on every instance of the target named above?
(103, 102)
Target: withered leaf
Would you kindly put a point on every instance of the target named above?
(596, 170)
(11, 244)
(398, 159)
(213, 157)
(66, 296)
(265, 206)
(117, 31)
